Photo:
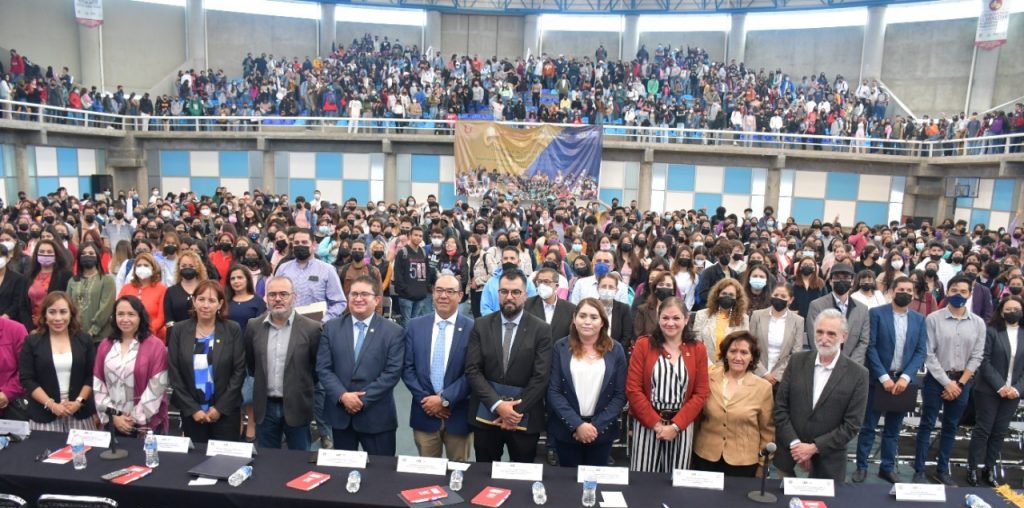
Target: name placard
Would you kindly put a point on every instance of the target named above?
(603, 475)
(517, 471)
(173, 444)
(341, 458)
(93, 438)
(698, 479)
(15, 427)
(920, 492)
(229, 448)
(812, 487)
(422, 465)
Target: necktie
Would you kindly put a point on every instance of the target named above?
(437, 358)
(506, 345)
(359, 340)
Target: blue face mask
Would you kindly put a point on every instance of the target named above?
(600, 269)
(957, 300)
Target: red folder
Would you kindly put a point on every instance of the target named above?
(134, 473)
(491, 496)
(308, 481)
(424, 494)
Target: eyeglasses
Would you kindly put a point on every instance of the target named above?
(447, 291)
(361, 295)
(279, 295)
(514, 292)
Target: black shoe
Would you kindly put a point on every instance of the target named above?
(889, 476)
(972, 477)
(859, 475)
(920, 477)
(945, 479)
(552, 458)
(990, 478)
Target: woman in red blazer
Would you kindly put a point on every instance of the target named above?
(666, 386)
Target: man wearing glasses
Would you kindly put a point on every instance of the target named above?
(280, 351)
(435, 360)
(359, 364)
(856, 344)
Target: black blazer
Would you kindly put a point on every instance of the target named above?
(58, 281)
(559, 321)
(36, 370)
(14, 298)
(996, 365)
(529, 365)
(227, 357)
(622, 325)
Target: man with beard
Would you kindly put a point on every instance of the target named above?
(507, 365)
(820, 404)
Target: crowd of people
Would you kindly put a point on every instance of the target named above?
(673, 88)
(264, 316)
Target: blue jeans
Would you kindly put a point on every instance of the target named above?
(952, 410)
(890, 435)
(269, 431)
(413, 308)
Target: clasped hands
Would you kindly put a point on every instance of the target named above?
(508, 418)
(897, 387)
(586, 433)
(66, 408)
(209, 416)
(432, 405)
(1007, 392)
(802, 454)
(665, 431)
(352, 402)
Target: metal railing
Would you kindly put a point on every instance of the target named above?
(256, 124)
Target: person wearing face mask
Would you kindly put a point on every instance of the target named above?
(145, 283)
(758, 285)
(475, 266)
(893, 269)
(725, 313)
(315, 282)
(722, 254)
(997, 391)
(223, 256)
(356, 267)
(189, 272)
(935, 254)
(587, 286)
(379, 259)
(489, 302)
(660, 286)
(841, 279)
(118, 228)
(13, 291)
(556, 312)
(92, 290)
(49, 272)
(779, 332)
(980, 302)
(867, 291)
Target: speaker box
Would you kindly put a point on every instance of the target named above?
(100, 183)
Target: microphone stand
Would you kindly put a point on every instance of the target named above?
(113, 453)
(762, 496)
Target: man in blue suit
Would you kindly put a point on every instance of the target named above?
(435, 361)
(897, 349)
(359, 363)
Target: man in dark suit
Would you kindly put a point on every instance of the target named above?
(508, 351)
(435, 366)
(619, 313)
(280, 351)
(820, 404)
(898, 347)
(359, 364)
(722, 253)
(858, 325)
(557, 313)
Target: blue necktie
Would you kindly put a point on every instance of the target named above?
(437, 358)
(359, 340)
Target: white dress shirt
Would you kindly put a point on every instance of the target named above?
(776, 336)
(1011, 334)
(449, 336)
(822, 373)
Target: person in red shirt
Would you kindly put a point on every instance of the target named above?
(222, 255)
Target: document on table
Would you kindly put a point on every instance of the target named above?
(612, 500)
(202, 482)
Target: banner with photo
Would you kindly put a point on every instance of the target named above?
(530, 163)
(89, 13)
(992, 24)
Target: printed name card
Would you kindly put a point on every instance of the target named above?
(173, 444)
(920, 492)
(698, 479)
(93, 438)
(341, 458)
(15, 427)
(603, 475)
(517, 471)
(229, 448)
(422, 465)
(808, 487)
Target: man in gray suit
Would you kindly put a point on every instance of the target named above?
(858, 323)
(820, 404)
(280, 351)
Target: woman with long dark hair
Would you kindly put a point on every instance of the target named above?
(243, 305)
(50, 271)
(93, 291)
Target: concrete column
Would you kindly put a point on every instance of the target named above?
(269, 171)
(773, 185)
(390, 172)
(432, 34)
(195, 29)
(645, 185)
(983, 85)
(630, 38)
(874, 43)
(21, 168)
(531, 35)
(736, 49)
(328, 28)
(90, 54)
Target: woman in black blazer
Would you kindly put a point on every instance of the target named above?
(55, 367)
(50, 272)
(13, 291)
(998, 389)
(587, 389)
(211, 407)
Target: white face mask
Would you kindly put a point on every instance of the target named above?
(606, 294)
(10, 246)
(143, 272)
(897, 264)
(544, 291)
(3, 263)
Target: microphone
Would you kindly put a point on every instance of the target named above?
(112, 411)
(768, 450)
(762, 496)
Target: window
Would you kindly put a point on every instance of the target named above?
(580, 23)
(685, 23)
(825, 18)
(303, 10)
(933, 11)
(409, 17)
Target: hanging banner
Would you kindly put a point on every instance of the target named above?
(89, 12)
(530, 163)
(992, 25)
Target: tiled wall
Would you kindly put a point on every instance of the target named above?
(686, 186)
(338, 176)
(203, 171)
(420, 175)
(993, 207)
(50, 168)
(619, 180)
(809, 195)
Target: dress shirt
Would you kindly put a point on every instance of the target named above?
(315, 282)
(822, 373)
(954, 343)
(1011, 334)
(449, 336)
(587, 288)
(355, 332)
(587, 377)
(900, 324)
(549, 311)
(278, 338)
(511, 343)
(843, 307)
(776, 337)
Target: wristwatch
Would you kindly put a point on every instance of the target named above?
(80, 401)
(444, 401)
(958, 383)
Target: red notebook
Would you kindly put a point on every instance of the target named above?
(309, 481)
(491, 496)
(134, 473)
(813, 504)
(424, 494)
(63, 456)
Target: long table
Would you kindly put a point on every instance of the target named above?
(22, 475)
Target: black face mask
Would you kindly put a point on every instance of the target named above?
(551, 264)
(1015, 290)
(239, 252)
(118, 215)
(472, 249)
(625, 247)
(225, 247)
(778, 304)
(170, 250)
(957, 261)
(1012, 317)
(641, 243)
(663, 293)
(301, 252)
(902, 299)
(726, 302)
(87, 262)
(723, 259)
(930, 272)
(358, 255)
(582, 271)
(935, 257)
(189, 273)
(502, 244)
(508, 267)
(992, 271)
(737, 257)
(685, 262)
(378, 254)
(343, 253)
(252, 262)
(806, 270)
(841, 287)
(514, 242)
(281, 244)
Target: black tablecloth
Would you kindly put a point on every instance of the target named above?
(20, 474)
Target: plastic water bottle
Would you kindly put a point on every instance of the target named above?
(354, 479)
(540, 496)
(455, 483)
(589, 493)
(973, 501)
(150, 447)
(4, 442)
(78, 452)
(240, 476)
(795, 502)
